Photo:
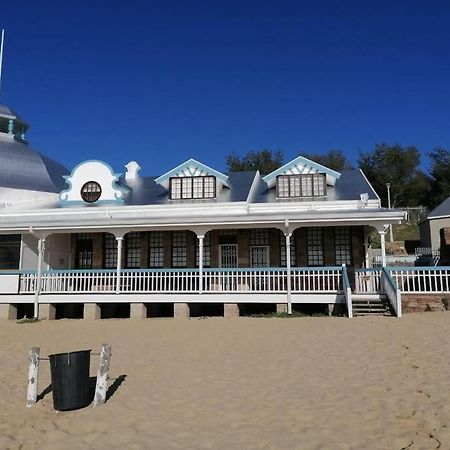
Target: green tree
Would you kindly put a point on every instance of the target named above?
(265, 161)
(398, 166)
(333, 159)
(440, 176)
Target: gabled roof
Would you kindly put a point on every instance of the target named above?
(191, 168)
(442, 210)
(302, 165)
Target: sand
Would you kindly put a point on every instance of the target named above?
(244, 383)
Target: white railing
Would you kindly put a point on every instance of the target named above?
(368, 280)
(159, 281)
(264, 280)
(418, 280)
(347, 291)
(391, 291)
(316, 279)
(267, 280)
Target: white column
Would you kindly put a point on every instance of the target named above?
(37, 288)
(200, 263)
(119, 262)
(288, 272)
(383, 247)
(366, 248)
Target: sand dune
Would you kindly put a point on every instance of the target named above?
(300, 383)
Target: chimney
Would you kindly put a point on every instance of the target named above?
(132, 172)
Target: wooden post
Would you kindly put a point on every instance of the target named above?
(102, 375)
(200, 264)
(33, 374)
(288, 273)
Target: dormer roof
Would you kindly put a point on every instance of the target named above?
(191, 168)
(302, 166)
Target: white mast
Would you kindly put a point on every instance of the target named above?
(1, 57)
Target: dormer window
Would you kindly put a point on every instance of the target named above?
(311, 185)
(192, 187)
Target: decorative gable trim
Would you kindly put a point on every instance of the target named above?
(302, 166)
(191, 168)
(99, 172)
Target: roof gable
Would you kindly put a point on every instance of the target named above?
(302, 166)
(442, 210)
(191, 168)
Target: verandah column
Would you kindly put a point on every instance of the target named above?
(37, 287)
(119, 240)
(200, 263)
(288, 272)
(383, 247)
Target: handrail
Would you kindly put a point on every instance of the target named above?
(392, 292)
(347, 291)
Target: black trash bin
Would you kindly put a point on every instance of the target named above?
(70, 380)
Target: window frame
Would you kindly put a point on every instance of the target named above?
(315, 247)
(191, 189)
(91, 196)
(290, 187)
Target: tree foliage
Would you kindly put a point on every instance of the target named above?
(398, 166)
(440, 176)
(333, 159)
(266, 161)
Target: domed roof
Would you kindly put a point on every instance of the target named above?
(21, 167)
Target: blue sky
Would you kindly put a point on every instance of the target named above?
(162, 81)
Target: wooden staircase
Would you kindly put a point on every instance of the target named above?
(371, 305)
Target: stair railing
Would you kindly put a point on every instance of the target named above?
(392, 292)
(347, 291)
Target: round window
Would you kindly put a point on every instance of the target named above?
(91, 191)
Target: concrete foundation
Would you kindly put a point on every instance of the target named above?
(8, 311)
(230, 310)
(181, 311)
(47, 311)
(92, 311)
(281, 308)
(138, 311)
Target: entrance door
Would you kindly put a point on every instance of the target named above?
(259, 256)
(228, 256)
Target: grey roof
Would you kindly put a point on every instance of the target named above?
(21, 167)
(145, 191)
(7, 111)
(349, 186)
(441, 210)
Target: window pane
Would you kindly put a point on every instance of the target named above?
(343, 245)
(283, 186)
(197, 187)
(259, 236)
(315, 246)
(133, 246)
(175, 188)
(283, 262)
(307, 190)
(179, 249)
(210, 187)
(10, 251)
(186, 187)
(156, 249)
(109, 251)
(295, 186)
(319, 185)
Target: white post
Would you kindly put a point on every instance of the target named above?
(37, 287)
(33, 375)
(391, 236)
(119, 262)
(288, 273)
(383, 247)
(101, 386)
(366, 249)
(200, 264)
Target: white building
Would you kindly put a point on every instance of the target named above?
(102, 243)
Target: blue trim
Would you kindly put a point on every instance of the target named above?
(16, 272)
(389, 278)
(346, 281)
(306, 162)
(404, 268)
(193, 162)
(368, 269)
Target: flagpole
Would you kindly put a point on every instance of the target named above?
(1, 57)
